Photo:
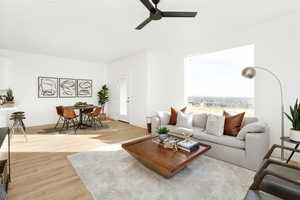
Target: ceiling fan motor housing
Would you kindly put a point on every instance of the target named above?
(156, 16)
(155, 1)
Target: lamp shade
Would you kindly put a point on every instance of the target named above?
(249, 72)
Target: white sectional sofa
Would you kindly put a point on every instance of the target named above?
(246, 153)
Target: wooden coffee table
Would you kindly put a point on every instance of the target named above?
(165, 162)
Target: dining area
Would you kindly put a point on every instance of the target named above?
(78, 116)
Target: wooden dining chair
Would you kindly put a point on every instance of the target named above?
(60, 113)
(94, 117)
(70, 116)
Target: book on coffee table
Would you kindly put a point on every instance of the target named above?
(188, 145)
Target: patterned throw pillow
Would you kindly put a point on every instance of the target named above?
(184, 120)
(215, 125)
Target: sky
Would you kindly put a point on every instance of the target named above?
(219, 73)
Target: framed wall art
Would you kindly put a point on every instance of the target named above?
(84, 88)
(47, 87)
(67, 88)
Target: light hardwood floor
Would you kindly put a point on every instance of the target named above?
(41, 170)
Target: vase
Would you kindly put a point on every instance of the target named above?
(162, 137)
(295, 135)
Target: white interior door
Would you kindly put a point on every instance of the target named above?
(124, 99)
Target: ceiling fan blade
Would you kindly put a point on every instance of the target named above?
(144, 23)
(148, 5)
(179, 14)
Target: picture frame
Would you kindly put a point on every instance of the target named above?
(84, 88)
(47, 87)
(67, 88)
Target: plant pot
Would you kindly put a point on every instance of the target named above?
(162, 137)
(295, 135)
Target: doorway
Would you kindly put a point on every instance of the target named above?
(124, 99)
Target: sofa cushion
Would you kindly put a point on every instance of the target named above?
(222, 140)
(199, 120)
(215, 125)
(233, 123)
(164, 117)
(184, 120)
(255, 127)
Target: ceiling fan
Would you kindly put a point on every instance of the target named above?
(156, 14)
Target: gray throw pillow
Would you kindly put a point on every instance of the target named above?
(255, 127)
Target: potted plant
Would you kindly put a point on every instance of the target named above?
(79, 103)
(9, 96)
(163, 133)
(103, 98)
(294, 117)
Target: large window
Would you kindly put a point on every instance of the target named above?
(213, 81)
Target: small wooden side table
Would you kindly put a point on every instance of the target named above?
(287, 139)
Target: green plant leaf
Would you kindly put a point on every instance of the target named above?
(289, 117)
(294, 116)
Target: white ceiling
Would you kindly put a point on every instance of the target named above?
(103, 30)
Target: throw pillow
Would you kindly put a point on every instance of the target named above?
(184, 120)
(256, 127)
(200, 120)
(173, 118)
(215, 125)
(164, 117)
(233, 123)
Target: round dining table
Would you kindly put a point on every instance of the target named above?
(81, 124)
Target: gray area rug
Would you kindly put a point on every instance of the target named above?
(110, 173)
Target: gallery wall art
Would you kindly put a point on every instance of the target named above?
(51, 87)
(47, 87)
(67, 88)
(84, 88)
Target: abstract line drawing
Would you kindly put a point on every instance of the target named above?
(67, 88)
(84, 88)
(47, 87)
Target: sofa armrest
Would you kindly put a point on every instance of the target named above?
(155, 123)
(257, 145)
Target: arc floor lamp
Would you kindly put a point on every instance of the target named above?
(250, 72)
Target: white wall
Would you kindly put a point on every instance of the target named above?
(135, 68)
(25, 69)
(166, 80)
(5, 65)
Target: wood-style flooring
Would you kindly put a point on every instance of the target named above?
(41, 170)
